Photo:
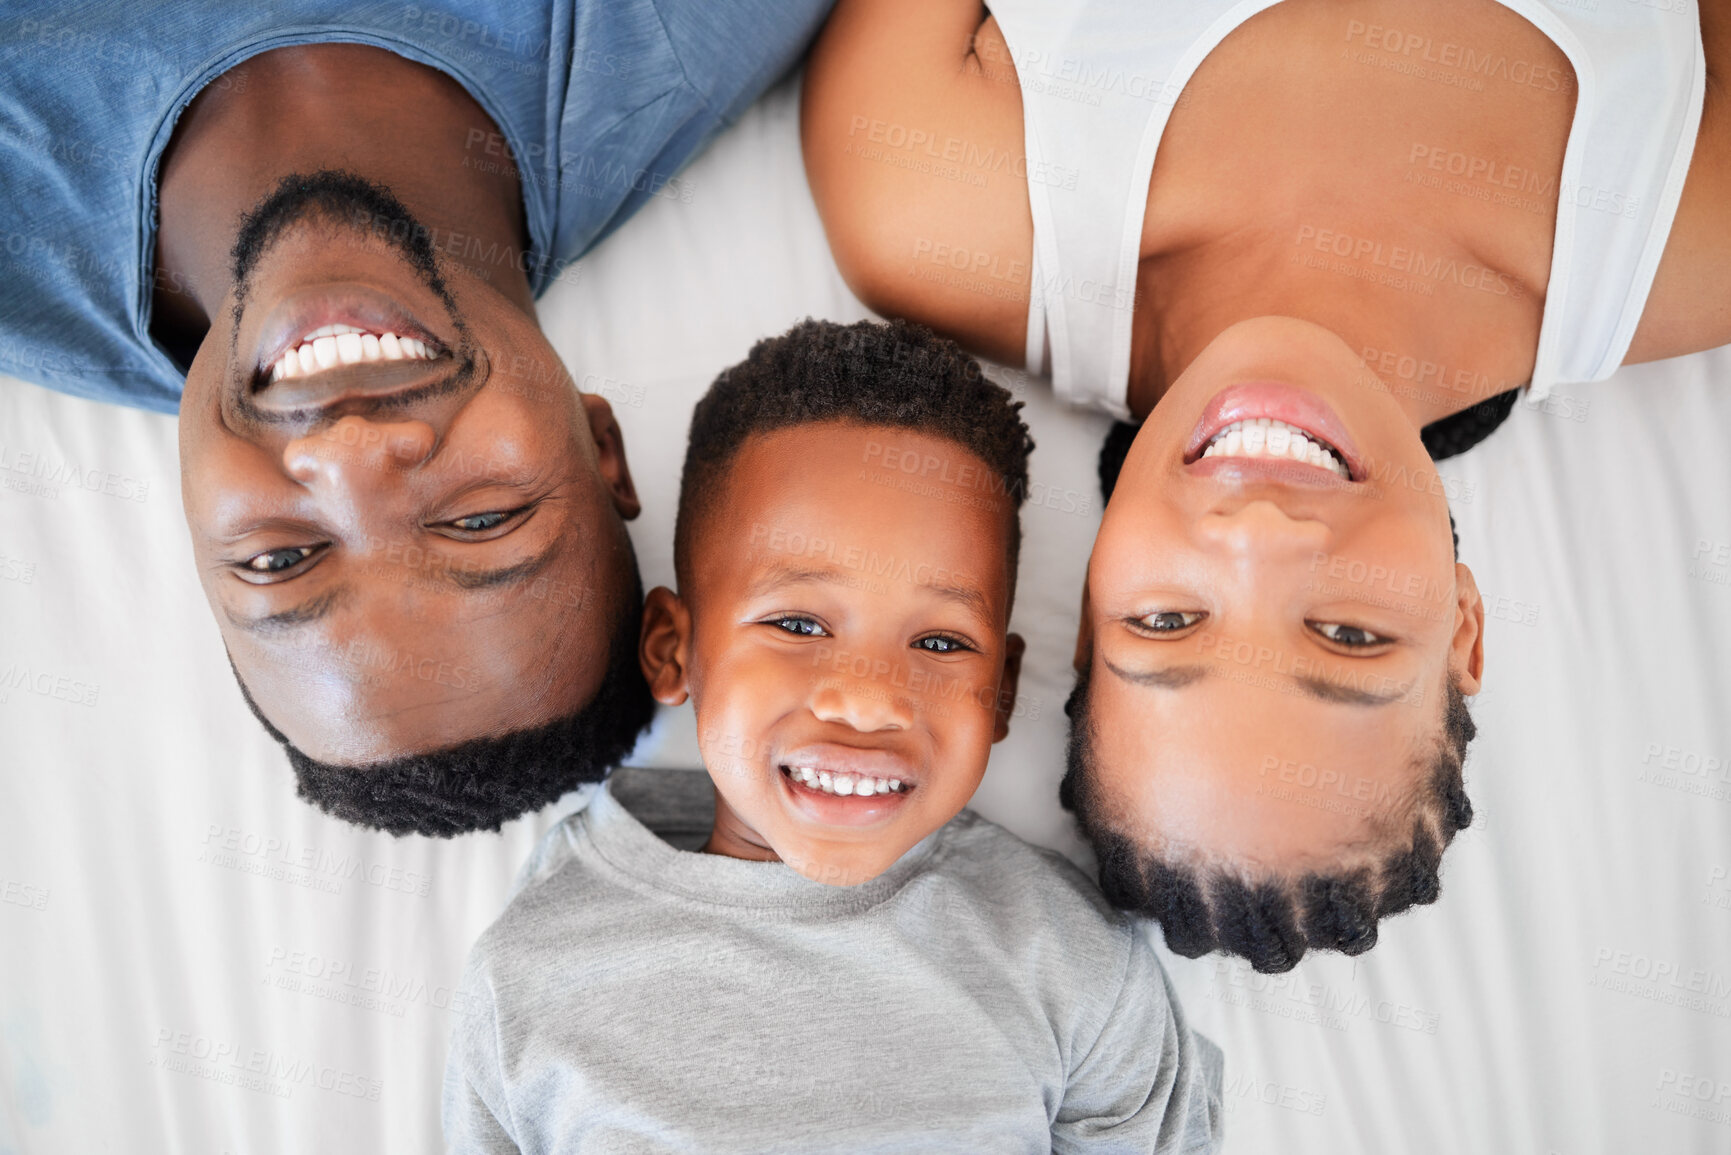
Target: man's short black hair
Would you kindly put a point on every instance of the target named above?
(1271, 921)
(899, 375)
(484, 782)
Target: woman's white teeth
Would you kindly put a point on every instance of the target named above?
(1267, 437)
(334, 345)
(844, 784)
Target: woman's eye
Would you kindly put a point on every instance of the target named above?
(1170, 621)
(477, 522)
(939, 644)
(277, 560)
(804, 627)
(1354, 636)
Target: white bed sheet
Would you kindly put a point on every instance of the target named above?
(191, 960)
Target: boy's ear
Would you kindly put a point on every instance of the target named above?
(1014, 647)
(664, 648)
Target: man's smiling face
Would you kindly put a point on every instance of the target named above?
(410, 532)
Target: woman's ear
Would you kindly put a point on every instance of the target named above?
(664, 650)
(1467, 648)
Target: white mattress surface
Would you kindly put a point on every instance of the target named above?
(192, 960)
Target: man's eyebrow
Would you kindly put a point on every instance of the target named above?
(315, 608)
(483, 579)
(787, 573)
(308, 611)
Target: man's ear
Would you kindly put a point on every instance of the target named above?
(1467, 648)
(610, 454)
(664, 650)
(1014, 648)
(1084, 635)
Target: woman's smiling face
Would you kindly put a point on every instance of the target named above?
(1273, 586)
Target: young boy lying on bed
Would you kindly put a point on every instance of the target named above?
(855, 962)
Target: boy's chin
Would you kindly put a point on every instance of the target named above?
(838, 868)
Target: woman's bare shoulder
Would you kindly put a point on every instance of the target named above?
(911, 125)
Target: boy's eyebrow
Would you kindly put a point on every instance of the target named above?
(786, 573)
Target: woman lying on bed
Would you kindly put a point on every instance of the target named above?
(1371, 222)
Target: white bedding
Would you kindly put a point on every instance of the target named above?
(193, 960)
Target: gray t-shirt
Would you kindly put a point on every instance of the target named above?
(979, 996)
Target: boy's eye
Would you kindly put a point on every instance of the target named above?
(942, 644)
(804, 627)
(1169, 621)
(1343, 635)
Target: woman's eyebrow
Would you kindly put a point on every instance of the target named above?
(1163, 677)
(1323, 690)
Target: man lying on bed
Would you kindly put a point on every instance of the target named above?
(332, 221)
(1321, 239)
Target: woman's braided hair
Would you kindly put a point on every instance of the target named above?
(1272, 921)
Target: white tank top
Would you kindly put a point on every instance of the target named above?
(1099, 79)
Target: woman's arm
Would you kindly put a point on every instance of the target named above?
(1689, 308)
(912, 131)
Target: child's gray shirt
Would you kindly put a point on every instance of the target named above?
(979, 996)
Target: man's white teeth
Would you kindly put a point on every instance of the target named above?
(845, 784)
(333, 345)
(1266, 437)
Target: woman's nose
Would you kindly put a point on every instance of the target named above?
(1262, 530)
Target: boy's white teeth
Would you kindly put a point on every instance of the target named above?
(1267, 437)
(333, 345)
(829, 782)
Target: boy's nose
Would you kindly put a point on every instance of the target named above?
(864, 704)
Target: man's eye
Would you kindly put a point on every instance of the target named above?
(1170, 621)
(1343, 635)
(942, 644)
(277, 560)
(804, 627)
(476, 522)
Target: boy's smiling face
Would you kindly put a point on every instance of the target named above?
(841, 631)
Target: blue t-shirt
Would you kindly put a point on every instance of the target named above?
(600, 103)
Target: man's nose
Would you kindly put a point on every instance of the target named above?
(866, 698)
(1262, 531)
(355, 450)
